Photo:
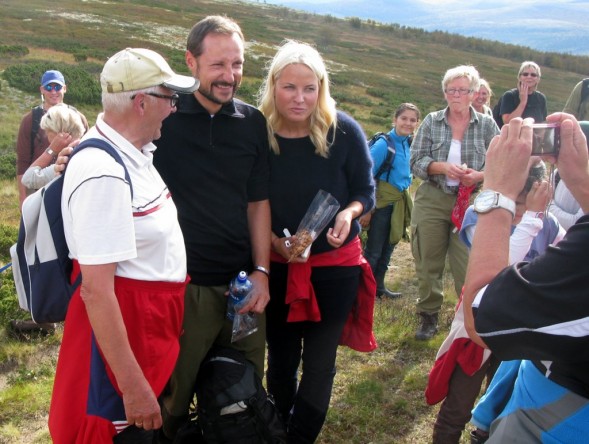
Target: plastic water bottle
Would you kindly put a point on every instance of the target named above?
(239, 288)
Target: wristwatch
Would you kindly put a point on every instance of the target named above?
(51, 153)
(489, 200)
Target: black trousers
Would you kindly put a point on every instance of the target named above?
(304, 404)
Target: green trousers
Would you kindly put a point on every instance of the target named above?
(432, 239)
(205, 324)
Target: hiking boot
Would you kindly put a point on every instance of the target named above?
(28, 326)
(428, 327)
(385, 292)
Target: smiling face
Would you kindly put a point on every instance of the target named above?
(219, 69)
(481, 98)
(52, 97)
(530, 77)
(406, 122)
(296, 94)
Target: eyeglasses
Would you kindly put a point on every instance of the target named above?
(461, 91)
(526, 74)
(53, 87)
(173, 98)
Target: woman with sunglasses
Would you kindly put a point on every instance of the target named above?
(525, 100)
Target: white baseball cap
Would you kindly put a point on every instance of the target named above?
(138, 68)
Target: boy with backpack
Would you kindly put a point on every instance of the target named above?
(388, 222)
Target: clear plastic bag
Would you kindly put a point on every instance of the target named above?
(243, 325)
(322, 209)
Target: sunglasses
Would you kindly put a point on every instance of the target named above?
(53, 87)
(526, 74)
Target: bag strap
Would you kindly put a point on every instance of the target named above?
(105, 146)
(387, 164)
(37, 114)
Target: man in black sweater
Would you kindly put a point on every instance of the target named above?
(213, 155)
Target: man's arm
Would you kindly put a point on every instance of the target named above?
(97, 292)
(258, 217)
(505, 172)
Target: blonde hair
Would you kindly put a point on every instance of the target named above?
(323, 118)
(61, 118)
(529, 64)
(483, 82)
(468, 71)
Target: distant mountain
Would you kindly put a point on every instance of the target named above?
(545, 25)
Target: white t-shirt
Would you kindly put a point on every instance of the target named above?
(102, 226)
(454, 156)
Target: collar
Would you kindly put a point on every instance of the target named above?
(104, 131)
(188, 104)
(443, 115)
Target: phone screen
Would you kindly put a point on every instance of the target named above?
(546, 139)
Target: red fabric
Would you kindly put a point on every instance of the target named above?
(153, 314)
(457, 349)
(462, 203)
(300, 294)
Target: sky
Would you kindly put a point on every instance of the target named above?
(546, 25)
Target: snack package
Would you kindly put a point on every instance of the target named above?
(322, 209)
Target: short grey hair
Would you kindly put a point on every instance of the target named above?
(467, 71)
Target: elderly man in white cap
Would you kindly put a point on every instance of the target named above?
(121, 333)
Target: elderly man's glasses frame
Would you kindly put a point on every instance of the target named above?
(173, 98)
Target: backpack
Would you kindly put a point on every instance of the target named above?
(387, 165)
(232, 405)
(41, 265)
(497, 113)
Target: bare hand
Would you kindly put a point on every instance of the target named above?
(572, 159)
(60, 141)
(523, 92)
(141, 406)
(364, 220)
(470, 177)
(508, 156)
(63, 157)
(453, 171)
(337, 235)
(260, 295)
(538, 197)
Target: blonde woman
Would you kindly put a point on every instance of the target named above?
(63, 126)
(482, 98)
(313, 147)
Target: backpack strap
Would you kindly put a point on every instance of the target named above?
(38, 112)
(104, 146)
(387, 163)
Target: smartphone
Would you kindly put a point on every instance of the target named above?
(546, 139)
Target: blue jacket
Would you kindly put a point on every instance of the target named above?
(400, 175)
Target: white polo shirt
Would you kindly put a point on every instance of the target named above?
(102, 225)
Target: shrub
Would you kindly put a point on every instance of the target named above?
(7, 164)
(82, 87)
(13, 50)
